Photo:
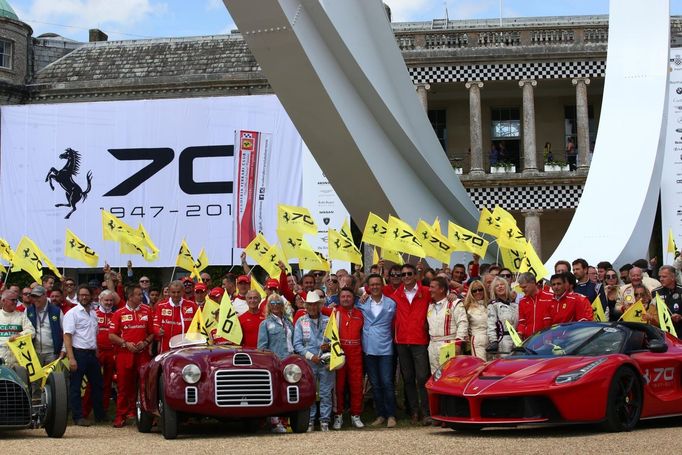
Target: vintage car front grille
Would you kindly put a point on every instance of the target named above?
(454, 406)
(292, 394)
(530, 407)
(240, 359)
(15, 407)
(191, 395)
(237, 388)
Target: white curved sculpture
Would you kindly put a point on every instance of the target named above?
(615, 217)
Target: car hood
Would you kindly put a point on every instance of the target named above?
(510, 374)
(220, 356)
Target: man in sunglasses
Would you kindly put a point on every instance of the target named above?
(394, 281)
(412, 341)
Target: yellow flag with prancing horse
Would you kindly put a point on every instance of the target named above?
(331, 332)
(665, 319)
(228, 322)
(75, 248)
(26, 356)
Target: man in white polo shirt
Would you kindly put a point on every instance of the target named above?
(80, 340)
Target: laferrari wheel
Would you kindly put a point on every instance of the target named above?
(143, 419)
(168, 418)
(624, 404)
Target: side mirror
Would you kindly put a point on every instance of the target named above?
(658, 346)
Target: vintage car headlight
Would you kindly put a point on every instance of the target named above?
(292, 373)
(577, 374)
(191, 373)
(437, 374)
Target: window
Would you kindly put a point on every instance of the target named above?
(437, 118)
(5, 54)
(571, 125)
(506, 123)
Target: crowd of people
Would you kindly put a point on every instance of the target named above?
(396, 318)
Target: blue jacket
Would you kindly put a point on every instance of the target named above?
(54, 315)
(377, 332)
(309, 335)
(272, 336)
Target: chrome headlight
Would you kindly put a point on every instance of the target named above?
(577, 374)
(292, 373)
(191, 373)
(437, 374)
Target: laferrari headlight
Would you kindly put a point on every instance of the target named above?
(191, 373)
(577, 374)
(437, 374)
(292, 373)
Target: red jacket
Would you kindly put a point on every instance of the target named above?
(250, 324)
(410, 318)
(350, 322)
(535, 313)
(103, 322)
(168, 317)
(571, 307)
(132, 326)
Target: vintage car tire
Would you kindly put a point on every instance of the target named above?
(624, 402)
(143, 419)
(58, 405)
(299, 420)
(168, 418)
(251, 426)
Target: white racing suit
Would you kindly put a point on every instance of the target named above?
(478, 330)
(498, 313)
(447, 324)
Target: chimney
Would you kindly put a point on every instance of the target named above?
(96, 34)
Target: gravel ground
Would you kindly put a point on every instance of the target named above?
(660, 436)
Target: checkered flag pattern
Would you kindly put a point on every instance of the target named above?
(528, 197)
(507, 71)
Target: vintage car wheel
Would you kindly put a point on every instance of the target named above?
(143, 419)
(624, 404)
(168, 418)
(465, 428)
(55, 396)
(299, 420)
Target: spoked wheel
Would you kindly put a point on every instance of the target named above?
(624, 405)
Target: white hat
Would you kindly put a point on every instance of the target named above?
(313, 297)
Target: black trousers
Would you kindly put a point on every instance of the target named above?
(415, 369)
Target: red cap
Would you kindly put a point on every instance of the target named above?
(216, 293)
(243, 279)
(200, 287)
(187, 279)
(271, 283)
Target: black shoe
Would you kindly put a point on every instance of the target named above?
(103, 420)
(82, 423)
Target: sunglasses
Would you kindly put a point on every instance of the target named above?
(144, 281)
(334, 281)
(318, 273)
(505, 275)
(611, 277)
(276, 302)
(394, 275)
(404, 274)
(476, 291)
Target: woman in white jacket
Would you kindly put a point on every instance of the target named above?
(476, 305)
(502, 308)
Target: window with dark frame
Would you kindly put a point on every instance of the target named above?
(5, 54)
(438, 117)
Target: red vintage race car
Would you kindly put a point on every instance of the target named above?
(225, 382)
(611, 373)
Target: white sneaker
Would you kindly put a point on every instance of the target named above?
(311, 427)
(357, 423)
(279, 428)
(324, 426)
(338, 422)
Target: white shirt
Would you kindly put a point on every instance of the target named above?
(410, 293)
(375, 306)
(43, 340)
(82, 326)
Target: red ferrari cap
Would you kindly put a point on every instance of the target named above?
(216, 293)
(243, 279)
(271, 283)
(200, 287)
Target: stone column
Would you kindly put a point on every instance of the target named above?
(421, 93)
(530, 159)
(583, 122)
(532, 229)
(475, 132)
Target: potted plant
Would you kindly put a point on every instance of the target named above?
(556, 166)
(503, 167)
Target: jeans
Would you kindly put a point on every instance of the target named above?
(88, 366)
(325, 379)
(414, 366)
(380, 370)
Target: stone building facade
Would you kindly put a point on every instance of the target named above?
(522, 85)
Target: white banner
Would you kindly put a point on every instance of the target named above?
(168, 164)
(671, 179)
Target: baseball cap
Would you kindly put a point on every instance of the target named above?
(216, 293)
(243, 279)
(200, 287)
(271, 283)
(38, 291)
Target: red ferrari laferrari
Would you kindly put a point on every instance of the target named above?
(611, 373)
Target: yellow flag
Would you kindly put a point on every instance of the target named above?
(6, 252)
(436, 226)
(151, 252)
(31, 259)
(331, 332)
(598, 310)
(198, 325)
(48, 370)
(634, 313)
(342, 248)
(75, 248)
(512, 258)
(298, 219)
(258, 248)
(672, 247)
(464, 240)
(293, 243)
(271, 260)
(375, 256)
(501, 214)
(255, 286)
(185, 259)
(532, 263)
(375, 231)
(512, 333)
(446, 352)
(313, 260)
(210, 312)
(435, 244)
(487, 224)
(228, 322)
(510, 235)
(2, 269)
(665, 319)
(202, 261)
(393, 256)
(118, 230)
(401, 237)
(26, 356)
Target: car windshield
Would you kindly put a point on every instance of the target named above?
(575, 339)
(186, 339)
